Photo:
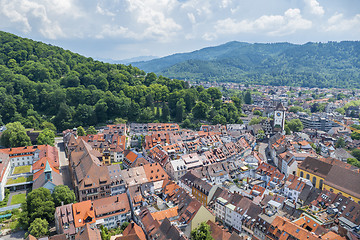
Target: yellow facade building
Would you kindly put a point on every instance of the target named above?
(332, 175)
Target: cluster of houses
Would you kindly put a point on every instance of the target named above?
(165, 181)
(29, 167)
(180, 178)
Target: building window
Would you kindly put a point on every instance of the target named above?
(307, 176)
(301, 174)
(320, 183)
(314, 181)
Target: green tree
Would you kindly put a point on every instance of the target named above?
(48, 125)
(260, 134)
(257, 112)
(186, 123)
(91, 130)
(81, 131)
(205, 97)
(254, 121)
(200, 110)
(46, 136)
(15, 136)
(39, 228)
(355, 136)
(150, 78)
(287, 130)
(165, 114)
(40, 204)
(214, 93)
(63, 194)
(180, 109)
(101, 110)
(356, 153)
(340, 143)
(85, 114)
(340, 110)
(354, 162)
(295, 125)
(296, 109)
(219, 119)
(124, 225)
(63, 118)
(202, 232)
(247, 97)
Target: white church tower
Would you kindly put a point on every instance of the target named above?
(279, 118)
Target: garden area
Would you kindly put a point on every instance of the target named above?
(10, 221)
(22, 169)
(3, 203)
(19, 180)
(19, 198)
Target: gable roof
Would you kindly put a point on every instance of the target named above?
(217, 232)
(344, 180)
(315, 166)
(83, 213)
(88, 233)
(132, 232)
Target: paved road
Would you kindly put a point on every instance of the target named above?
(61, 149)
(262, 147)
(13, 236)
(64, 162)
(9, 207)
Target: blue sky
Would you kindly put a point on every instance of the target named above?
(120, 29)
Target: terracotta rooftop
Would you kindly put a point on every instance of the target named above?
(83, 213)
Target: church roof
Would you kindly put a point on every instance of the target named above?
(280, 107)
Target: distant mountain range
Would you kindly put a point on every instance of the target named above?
(128, 60)
(332, 64)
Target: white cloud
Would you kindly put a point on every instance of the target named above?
(113, 31)
(191, 18)
(225, 3)
(209, 36)
(314, 7)
(281, 25)
(104, 11)
(337, 23)
(22, 12)
(152, 15)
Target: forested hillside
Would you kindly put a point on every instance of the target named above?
(333, 64)
(40, 83)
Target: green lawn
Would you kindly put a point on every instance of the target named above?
(16, 199)
(19, 180)
(22, 169)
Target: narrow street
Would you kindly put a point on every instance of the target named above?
(262, 147)
(63, 161)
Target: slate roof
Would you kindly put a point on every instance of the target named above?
(169, 231)
(344, 180)
(315, 166)
(88, 233)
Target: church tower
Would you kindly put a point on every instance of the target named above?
(279, 117)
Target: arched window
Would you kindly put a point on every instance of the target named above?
(307, 176)
(314, 181)
(301, 174)
(320, 183)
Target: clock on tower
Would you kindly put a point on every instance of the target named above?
(279, 118)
